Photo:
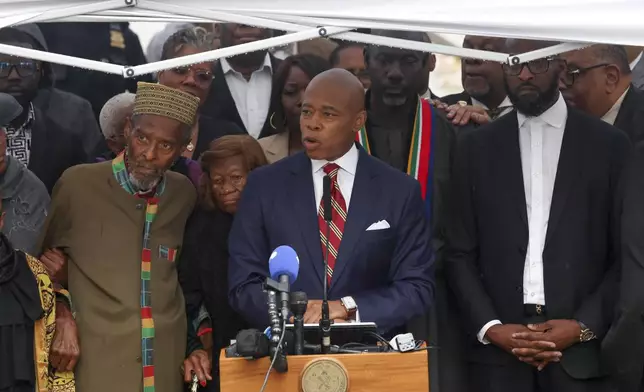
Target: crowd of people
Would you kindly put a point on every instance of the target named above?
(501, 224)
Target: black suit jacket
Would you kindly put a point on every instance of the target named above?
(53, 150)
(488, 233)
(220, 104)
(630, 118)
(211, 129)
(623, 347)
(454, 98)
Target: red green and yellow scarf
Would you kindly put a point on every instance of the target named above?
(420, 163)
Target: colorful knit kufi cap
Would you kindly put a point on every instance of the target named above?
(160, 100)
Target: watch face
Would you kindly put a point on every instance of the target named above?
(586, 335)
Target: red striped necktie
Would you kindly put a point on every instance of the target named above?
(338, 218)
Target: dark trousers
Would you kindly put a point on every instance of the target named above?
(516, 376)
(520, 377)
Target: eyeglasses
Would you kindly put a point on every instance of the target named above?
(24, 68)
(536, 67)
(202, 77)
(569, 76)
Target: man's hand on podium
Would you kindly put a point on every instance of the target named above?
(337, 312)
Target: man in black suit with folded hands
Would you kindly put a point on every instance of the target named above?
(531, 244)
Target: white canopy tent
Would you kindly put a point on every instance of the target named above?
(578, 23)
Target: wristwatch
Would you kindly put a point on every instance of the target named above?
(350, 305)
(586, 334)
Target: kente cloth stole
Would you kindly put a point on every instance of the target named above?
(147, 322)
(420, 164)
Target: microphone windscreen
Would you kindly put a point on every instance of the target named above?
(252, 343)
(284, 261)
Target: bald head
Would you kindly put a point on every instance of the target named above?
(344, 82)
(332, 113)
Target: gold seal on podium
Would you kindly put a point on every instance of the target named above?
(324, 375)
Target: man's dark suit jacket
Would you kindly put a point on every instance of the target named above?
(455, 98)
(488, 234)
(630, 118)
(623, 347)
(388, 272)
(220, 103)
(53, 150)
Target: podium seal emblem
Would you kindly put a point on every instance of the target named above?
(324, 375)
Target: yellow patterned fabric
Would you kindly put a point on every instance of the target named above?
(47, 379)
(160, 100)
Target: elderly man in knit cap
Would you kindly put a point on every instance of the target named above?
(120, 224)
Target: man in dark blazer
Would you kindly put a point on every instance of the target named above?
(34, 138)
(393, 105)
(483, 89)
(242, 87)
(598, 80)
(531, 243)
(383, 269)
(623, 346)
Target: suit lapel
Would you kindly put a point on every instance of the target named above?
(224, 101)
(303, 197)
(361, 207)
(568, 170)
(510, 169)
(625, 114)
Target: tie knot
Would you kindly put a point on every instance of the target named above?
(331, 169)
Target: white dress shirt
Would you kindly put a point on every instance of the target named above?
(252, 97)
(506, 102)
(611, 115)
(540, 141)
(346, 175)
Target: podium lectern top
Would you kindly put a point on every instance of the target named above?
(366, 372)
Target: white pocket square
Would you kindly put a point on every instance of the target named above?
(380, 225)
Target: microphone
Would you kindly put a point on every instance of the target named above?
(284, 266)
(325, 322)
(299, 301)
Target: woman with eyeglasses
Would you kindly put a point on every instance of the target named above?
(195, 79)
(291, 79)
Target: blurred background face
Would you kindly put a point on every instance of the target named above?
(228, 179)
(480, 78)
(19, 77)
(351, 58)
(395, 74)
(194, 79)
(294, 88)
(587, 82)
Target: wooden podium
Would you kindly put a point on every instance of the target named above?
(368, 372)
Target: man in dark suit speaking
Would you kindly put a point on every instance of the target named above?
(380, 261)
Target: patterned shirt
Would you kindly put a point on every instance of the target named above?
(19, 139)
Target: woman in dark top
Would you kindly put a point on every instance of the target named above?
(203, 265)
(291, 79)
(195, 79)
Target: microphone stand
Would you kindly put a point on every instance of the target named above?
(325, 322)
(299, 301)
(278, 316)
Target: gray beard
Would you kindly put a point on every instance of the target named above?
(142, 185)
